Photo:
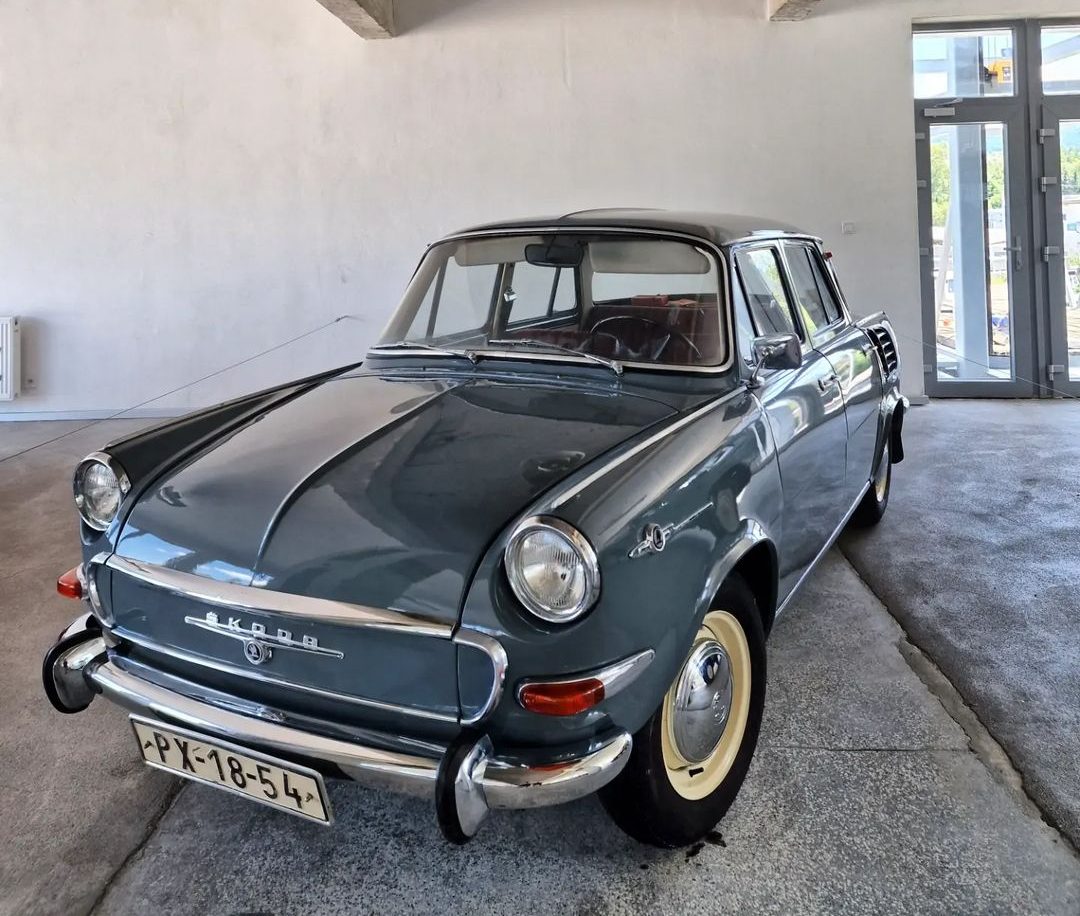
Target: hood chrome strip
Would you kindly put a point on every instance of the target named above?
(563, 498)
(249, 598)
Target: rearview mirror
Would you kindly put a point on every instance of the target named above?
(775, 351)
(555, 253)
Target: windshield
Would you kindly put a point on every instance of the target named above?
(614, 297)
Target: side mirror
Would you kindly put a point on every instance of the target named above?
(776, 351)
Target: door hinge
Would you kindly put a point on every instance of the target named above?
(921, 183)
(924, 252)
(927, 368)
(1045, 133)
(920, 135)
(1050, 251)
(1053, 369)
(1047, 182)
(943, 111)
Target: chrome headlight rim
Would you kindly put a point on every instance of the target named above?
(123, 482)
(578, 543)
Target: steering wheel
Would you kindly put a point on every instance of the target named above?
(668, 332)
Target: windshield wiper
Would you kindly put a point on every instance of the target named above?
(470, 355)
(613, 364)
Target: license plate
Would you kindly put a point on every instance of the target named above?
(281, 785)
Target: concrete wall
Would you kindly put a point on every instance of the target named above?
(184, 183)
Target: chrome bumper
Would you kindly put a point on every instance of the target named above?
(466, 779)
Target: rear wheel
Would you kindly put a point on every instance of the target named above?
(873, 505)
(690, 759)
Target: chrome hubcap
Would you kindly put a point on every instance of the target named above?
(881, 479)
(702, 704)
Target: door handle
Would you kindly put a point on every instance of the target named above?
(827, 381)
(1018, 252)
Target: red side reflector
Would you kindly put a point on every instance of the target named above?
(828, 255)
(69, 585)
(562, 699)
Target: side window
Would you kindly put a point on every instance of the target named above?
(811, 301)
(759, 269)
(541, 292)
(832, 307)
(564, 296)
(532, 287)
(744, 326)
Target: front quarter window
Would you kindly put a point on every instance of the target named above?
(636, 300)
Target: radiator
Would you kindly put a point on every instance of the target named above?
(10, 371)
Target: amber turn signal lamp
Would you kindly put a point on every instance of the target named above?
(563, 698)
(69, 585)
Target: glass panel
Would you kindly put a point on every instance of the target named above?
(1069, 132)
(969, 193)
(1061, 60)
(530, 291)
(652, 300)
(806, 289)
(964, 65)
(759, 269)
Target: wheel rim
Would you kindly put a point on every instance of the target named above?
(881, 479)
(706, 710)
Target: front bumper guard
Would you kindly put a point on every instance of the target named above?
(466, 780)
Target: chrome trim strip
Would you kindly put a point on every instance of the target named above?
(563, 498)
(249, 598)
(506, 783)
(813, 564)
(267, 678)
(496, 654)
(723, 281)
(614, 677)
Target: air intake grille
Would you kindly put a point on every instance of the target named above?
(886, 347)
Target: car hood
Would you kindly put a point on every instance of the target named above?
(377, 490)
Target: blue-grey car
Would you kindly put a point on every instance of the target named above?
(530, 548)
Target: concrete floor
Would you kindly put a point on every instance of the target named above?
(979, 560)
(865, 794)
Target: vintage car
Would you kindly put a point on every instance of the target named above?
(530, 548)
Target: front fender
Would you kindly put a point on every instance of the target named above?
(714, 483)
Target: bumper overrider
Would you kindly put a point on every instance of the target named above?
(466, 779)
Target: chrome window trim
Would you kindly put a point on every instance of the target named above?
(715, 250)
(249, 598)
(614, 677)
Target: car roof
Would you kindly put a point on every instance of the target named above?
(718, 228)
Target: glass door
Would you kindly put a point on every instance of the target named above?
(974, 213)
(1059, 139)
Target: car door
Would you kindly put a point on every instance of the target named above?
(848, 350)
(805, 410)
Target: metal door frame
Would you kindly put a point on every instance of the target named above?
(1047, 113)
(1012, 111)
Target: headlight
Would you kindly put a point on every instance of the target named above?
(552, 569)
(100, 484)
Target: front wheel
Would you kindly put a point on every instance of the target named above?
(690, 759)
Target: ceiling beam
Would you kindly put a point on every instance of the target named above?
(368, 18)
(789, 10)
